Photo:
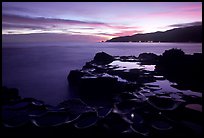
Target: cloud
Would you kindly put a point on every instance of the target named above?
(21, 26)
(185, 24)
(190, 12)
(49, 37)
(128, 33)
(53, 22)
(10, 9)
(122, 33)
(8, 18)
(17, 24)
(190, 7)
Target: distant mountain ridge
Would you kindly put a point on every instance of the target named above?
(187, 34)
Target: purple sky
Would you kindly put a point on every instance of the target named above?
(92, 21)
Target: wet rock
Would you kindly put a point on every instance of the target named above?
(98, 86)
(129, 86)
(104, 111)
(140, 129)
(103, 58)
(133, 118)
(74, 77)
(163, 103)
(9, 95)
(54, 118)
(131, 75)
(197, 129)
(129, 131)
(159, 77)
(146, 79)
(148, 58)
(31, 107)
(35, 111)
(15, 118)
(125, 96)
(175, 95)
(190, 110)
(93, 68)
(37, 103)
(86, 120)
(114, 124)
(152, 86)
(17, 105)
(146, 94)
(75, 106)
(127, 58)
(140, 96)
(151, 89)
(196, 107)
(122, 103)
(161, 125)
(128, 106)
(194, 97)
(89, 65)
(175, 65)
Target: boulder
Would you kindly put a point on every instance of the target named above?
(53, 118)
(74, 76)
(98, 85)
(86, 120)
(103, 58)
(161, 125)
(9, 95)
(163, 103)
(148, 58)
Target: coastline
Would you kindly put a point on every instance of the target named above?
(126, 93)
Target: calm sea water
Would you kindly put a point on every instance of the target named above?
(40, 70)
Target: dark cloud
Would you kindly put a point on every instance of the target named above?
(8, 18)
(10, 8)
(52, 23)
(186, 24)
(21, 26)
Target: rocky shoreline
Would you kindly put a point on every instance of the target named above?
(118, 97)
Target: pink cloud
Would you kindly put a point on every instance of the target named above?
(50, 24)
(190, 11)
(187, 7)
(122, 33)
(40, 22)
(127, 33)
(124, 27)
(189, 14)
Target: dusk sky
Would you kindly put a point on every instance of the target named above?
(92, 21)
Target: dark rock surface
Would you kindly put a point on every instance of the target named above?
(148, 58)
(112, 102)
(183, 69)
(103, 58)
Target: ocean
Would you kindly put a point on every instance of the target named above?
(40, 70)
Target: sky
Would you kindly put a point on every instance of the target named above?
(92, 21)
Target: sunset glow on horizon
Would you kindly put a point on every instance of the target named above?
(94, 21)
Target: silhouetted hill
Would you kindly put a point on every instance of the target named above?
(187, 34)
